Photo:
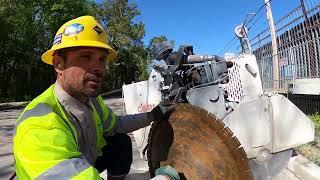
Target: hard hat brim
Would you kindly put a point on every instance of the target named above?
(47, 57)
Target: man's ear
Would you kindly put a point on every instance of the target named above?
(58, 63)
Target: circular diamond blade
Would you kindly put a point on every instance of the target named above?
(197, 145)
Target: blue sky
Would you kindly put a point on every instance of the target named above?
(206, 24)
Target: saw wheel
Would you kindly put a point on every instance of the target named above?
(197, 145)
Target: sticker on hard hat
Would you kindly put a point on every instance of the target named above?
(73, 29)
(98, 30)
(57, 39)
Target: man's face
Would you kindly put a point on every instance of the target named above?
(82, 71)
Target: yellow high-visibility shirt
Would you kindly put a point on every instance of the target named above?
(46, 142)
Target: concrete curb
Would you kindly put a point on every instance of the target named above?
(304, 168)
(13, 105)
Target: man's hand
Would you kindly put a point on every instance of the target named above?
(162, 111)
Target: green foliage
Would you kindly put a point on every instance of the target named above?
(118, 18)
(316, 119)
(312, 149)
(28, 28)
(158, 39)
(125, 34)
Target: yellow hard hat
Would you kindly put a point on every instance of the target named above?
(82, 31)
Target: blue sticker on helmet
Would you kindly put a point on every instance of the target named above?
(57, 39)
(73, 29)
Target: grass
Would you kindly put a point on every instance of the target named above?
(312, 149)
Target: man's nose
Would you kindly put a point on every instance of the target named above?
(98, 67)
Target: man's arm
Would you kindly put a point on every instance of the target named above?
(113, 124)
(129, 123)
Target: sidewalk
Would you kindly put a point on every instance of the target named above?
(303, 168)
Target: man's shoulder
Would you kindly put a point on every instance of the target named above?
(43, 108)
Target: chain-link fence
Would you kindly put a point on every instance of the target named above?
(294, 63)
(298, 55)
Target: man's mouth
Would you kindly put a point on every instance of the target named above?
(94, 79)
(94, 82)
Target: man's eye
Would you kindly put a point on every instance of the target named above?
(102, 59)
(85, 57)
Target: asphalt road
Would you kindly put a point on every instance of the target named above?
(138, 169)
(7, 119)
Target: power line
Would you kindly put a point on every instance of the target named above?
(230, 43)
(262, 6)
(256, 20)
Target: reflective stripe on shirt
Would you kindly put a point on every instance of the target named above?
(40, 109)
(105, 124)
(65, 169)
(96, 105)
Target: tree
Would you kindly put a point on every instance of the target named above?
(125, 34)
(27, 30)
(158, 39)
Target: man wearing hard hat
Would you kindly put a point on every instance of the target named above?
(67, 131)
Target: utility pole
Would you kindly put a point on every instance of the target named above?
(274, 48)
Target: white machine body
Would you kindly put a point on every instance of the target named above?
(261, 121)
(142, 97)
(308, 86)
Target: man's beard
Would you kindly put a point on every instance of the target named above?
(84, 92)
(93, 93)
(95, 78)
(80, 88)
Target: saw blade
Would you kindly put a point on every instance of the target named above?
(197, 145)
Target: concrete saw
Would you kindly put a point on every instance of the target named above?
(197, 145)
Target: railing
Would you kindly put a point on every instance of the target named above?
(298, 44)
(294, 63)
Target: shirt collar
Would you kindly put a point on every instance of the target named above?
(70, 103)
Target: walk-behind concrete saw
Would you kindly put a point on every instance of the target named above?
(224, 126)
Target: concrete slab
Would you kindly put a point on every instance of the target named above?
(285, 174)
(303, 168)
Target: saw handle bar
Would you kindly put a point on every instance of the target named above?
(202, 58)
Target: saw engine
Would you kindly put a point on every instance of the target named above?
(224, 126)
(185, 71)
